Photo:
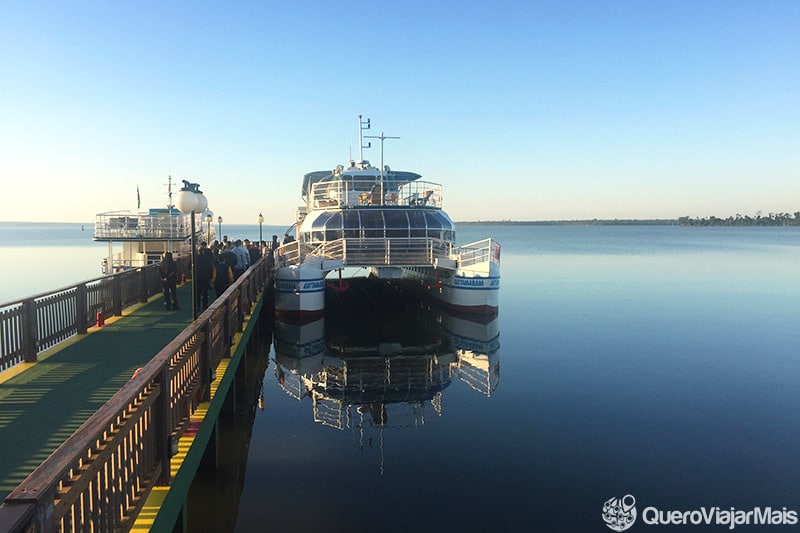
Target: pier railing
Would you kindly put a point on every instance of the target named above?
(32, 325)
(98, 480)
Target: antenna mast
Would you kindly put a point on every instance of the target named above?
(169, 192)
(365, 125)
(382, 138)
(169, 212)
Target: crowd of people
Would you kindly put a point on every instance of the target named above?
(218, 265)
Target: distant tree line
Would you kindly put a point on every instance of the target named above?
(587, 222)
(773, 219)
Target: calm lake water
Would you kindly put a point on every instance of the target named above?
(41, 257)
(654, 361)
(657, 362)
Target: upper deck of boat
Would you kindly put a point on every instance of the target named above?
(154, 225)
(364, 186)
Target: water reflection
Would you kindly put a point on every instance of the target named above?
(364, 367)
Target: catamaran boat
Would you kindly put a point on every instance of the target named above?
(145, 236)
(390, 223)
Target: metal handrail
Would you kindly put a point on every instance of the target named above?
(36, 323)
(405, 251)
(486, 250)
(373, 192)
(123, 225)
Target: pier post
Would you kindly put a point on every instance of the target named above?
(227, 330)
(81, 321)
(143, 285)
(205, 363)
(116, 291)
(162, 421)
(30, 338)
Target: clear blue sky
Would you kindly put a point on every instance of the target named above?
(522, 110)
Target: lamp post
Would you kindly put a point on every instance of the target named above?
(260, 220)
(190, 199)
(219, 232)
(209, 220)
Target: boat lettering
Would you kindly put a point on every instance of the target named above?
(462, 282)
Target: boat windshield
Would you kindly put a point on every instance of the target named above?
(378, 223)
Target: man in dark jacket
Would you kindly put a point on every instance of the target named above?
(205, 275)
(168, 272)
(223, 275)
(253, 250)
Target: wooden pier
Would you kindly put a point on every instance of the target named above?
(86, 446)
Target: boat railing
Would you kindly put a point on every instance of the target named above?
(293, 253)
(400, 252)
(420, 194)
(479, 373)
(486, 250)
(123, 225)
(374, 192)
(419, 251)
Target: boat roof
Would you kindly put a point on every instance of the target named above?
(389, 176)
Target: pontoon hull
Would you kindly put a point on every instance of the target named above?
(459, 291)
(299, 292)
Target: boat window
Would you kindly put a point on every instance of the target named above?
(372, 222)
(416, 221)
(318, 227)
(397, 224)
(434, 225)
(440, 226)
(333, 228)
(321, 221)
(352, 224)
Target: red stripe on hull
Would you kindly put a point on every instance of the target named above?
(299, 318)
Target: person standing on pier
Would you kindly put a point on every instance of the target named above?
(223, 276)
(205, 275)
(168, 271)
(242, 259)
(253, 250)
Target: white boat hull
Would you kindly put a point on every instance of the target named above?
(299, 292)
(460, 290)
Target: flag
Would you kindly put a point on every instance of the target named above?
(138, 199)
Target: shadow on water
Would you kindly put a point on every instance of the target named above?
(380, 359)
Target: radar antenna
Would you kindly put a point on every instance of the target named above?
(382, 138)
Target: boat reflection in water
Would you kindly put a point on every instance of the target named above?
(386, 364)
